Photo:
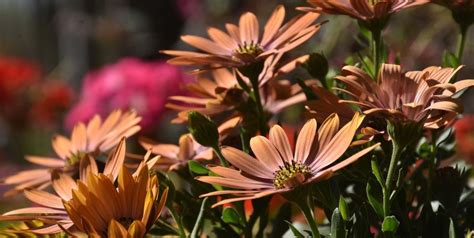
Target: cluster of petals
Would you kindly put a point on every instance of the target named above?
(94, 138)
(242, 45)
(316, 152)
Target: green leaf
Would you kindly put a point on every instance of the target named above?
(450, 60)
(374, 199)
(343, 208)
(452, 232)
(197, 168)
(295, 231)
(390, 224)
(338, 229)
(376, 172)
(230, 216)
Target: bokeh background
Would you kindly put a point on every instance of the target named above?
(63, 61)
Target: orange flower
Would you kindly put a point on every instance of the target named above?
(51, 210)
(242, 44)
(368, 11)
(93, 139)
(277, 169)
(417, 96)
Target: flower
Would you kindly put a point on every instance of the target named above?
(223, 94)
(463, 10)
(368, 11)
(176, 156)
(99, 209)
(242, 44)
(128, 84)
(465, 137)
(55, 96)
(95, 138)
(416, 96)
(51, 210)
(15, 75)
(277, 169)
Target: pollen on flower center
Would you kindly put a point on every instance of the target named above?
(248, 51)
(291, 175)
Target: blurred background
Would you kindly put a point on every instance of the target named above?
(63, 61)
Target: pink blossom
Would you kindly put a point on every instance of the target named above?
(128, 84)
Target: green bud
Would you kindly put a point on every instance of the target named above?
(317, 66)
(202, 128)
(404, 133)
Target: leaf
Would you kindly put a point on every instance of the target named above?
(338, 229)
(197, 168)
(390, 224)
(374, 199)
(450, 60)
(295, 231)
(452, 232)
(343, 208)
(376, 172)
(230, 216)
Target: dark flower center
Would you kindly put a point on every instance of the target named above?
(125, 221)
(291, 175)
(248, 51)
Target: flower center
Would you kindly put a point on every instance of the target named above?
(248, 51)
(291, 175)
(74, 159)
(125, 221)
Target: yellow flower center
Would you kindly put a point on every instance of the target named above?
(248, 51)
(291, 175)
(74, 159)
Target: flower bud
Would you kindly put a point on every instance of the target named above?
(317, 66)
(202, 128)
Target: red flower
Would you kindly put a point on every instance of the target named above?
(465, 137)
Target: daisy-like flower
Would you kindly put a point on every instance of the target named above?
(95, 138)
(100, 209)
(176, 156)
(51, 211)
(277, 169)
(368, 11)
(242, 44)
(417, 96)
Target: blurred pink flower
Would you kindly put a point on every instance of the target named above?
(128, 84)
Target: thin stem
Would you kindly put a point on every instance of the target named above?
(396, 152)
(197, 225)
(221, 157)
(309, 215)
(182, 232)
(431, 169)
(462, 41)
(263, 127)
(376, 51)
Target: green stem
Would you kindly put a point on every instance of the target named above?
(221, 157)
(462, 41)
(263, 127)
(396, 152)
(431, 169)
(182, 232)
(309, 215)
(376, 51)
(197, 225)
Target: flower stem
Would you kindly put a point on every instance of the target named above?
(431, 169)
(221, 157)
(462, 41)
(179, 223)
(376, 51)
(396, 152)
(197, 225)
(263, 127)
(309, 215)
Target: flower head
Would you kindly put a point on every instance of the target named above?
(416, 96)
(242, 45)
(276, 169)
(368, 11)
(100, 209)
(94, 138)
(463, 10)
(49, 208)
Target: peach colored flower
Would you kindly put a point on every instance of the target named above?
(277, 169)
(50, 209)
(176, 156)
(93, 139)
(418, 96)
(242, 44)
(365, 10)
